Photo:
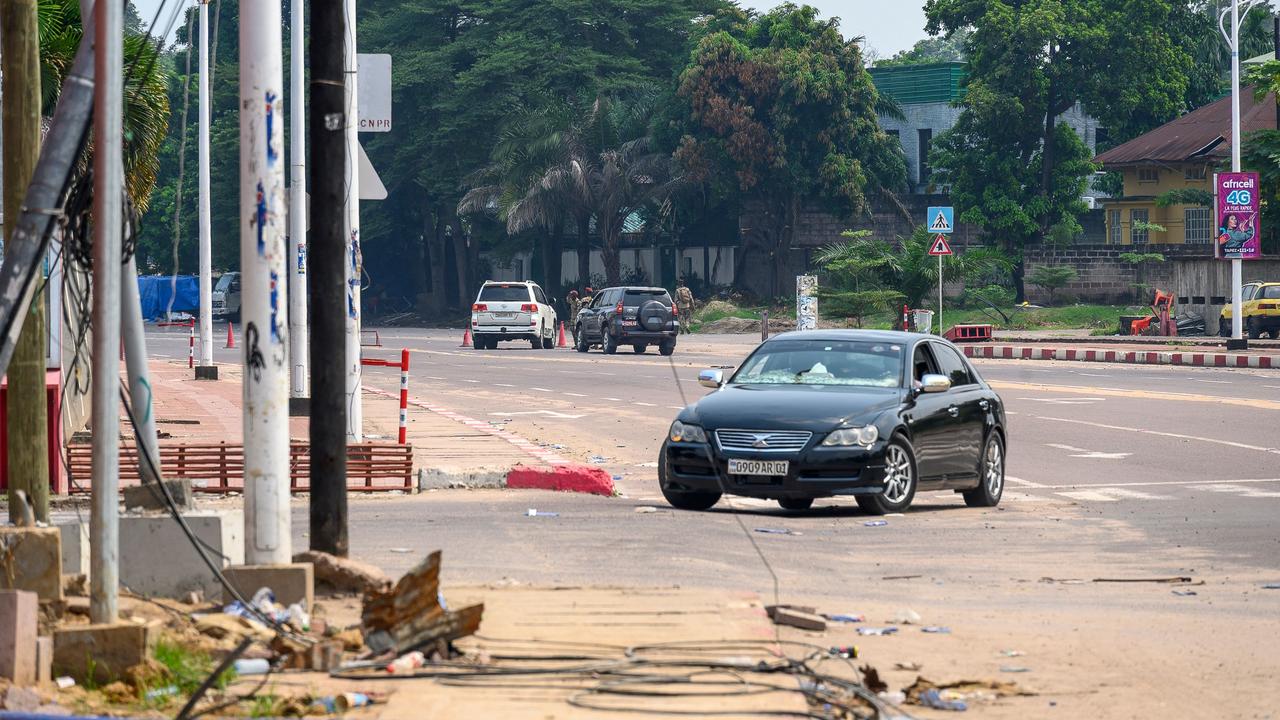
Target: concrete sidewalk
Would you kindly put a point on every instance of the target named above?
(202, 411)
(1254, 358)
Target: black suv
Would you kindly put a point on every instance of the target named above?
(635, 316)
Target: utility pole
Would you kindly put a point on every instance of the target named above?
(205, 369)
(1237, 265)
(263, 282)
(135, 353)
(297, 206)
(355, 262)
(108, 187)
(327, 287)
(28, 439)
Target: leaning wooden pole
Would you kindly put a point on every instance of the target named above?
(28, 458)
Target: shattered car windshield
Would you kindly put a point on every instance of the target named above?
(823, 362)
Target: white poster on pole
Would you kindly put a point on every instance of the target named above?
(373, 78)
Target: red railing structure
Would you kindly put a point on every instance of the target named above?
(404, 387)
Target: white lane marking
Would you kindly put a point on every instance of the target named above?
(1273, 387)
(1066, 401)
(548, 413)
(1165, 482)
(1024, 483)
(646, 404)
(1010, 412)
(1089, 454)
(503, 385)
(1242, 490)
(575, 394)
(675, 407)
(1111, 495)
(1085, 374)
(432, 377)
(540, 389)
(1218, 382)
(1144, 431)
(470, 381)
(612, 399)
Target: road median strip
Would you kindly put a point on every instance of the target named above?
(1131, 357)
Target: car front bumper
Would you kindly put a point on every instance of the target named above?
(812, 473)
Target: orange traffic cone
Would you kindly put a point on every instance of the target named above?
(466, 338)
(231, 336)
(561, 342)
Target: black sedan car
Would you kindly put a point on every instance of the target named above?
(873, 415)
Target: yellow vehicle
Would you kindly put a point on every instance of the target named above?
(1261, 311)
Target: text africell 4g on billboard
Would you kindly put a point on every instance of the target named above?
(1239, 223)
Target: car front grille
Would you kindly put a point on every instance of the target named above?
(763, 440)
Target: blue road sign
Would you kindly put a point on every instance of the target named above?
(941, 220)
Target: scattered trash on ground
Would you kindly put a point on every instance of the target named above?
(617, 478)
(1012, 653)
(264, 604)
(646, 509)
(798, 616)
(932, 699)
(1014, 669)
(901, 577)
(777, 531)
(1271, 586)
(877, 631)
(557, 446)
(65, 681)
(252, 666)
(845, 618)
(908, 667)
(647, 465)
(401, 550)
(1062, 581)
(936, 630)
(407, 663)
(905, 616)
(897, 697)
(876, 523)
(967, 691)
(1183, 593)
(534, 512)
(597, 460)
(848, 652)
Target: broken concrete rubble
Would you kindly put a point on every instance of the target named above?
(410, 615)
(335, 574)
(31, 559)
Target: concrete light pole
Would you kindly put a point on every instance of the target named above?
(297, 206)
(108, 186)
(205, 368)
(355, 263)
(263, 282)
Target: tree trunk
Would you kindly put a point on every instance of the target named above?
(610, 239)
(434, 300)
(27, 428)
(460, 261)
(1047, 152)
(551, 261)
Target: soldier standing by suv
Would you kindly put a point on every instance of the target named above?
(684, 301)
(574, 307)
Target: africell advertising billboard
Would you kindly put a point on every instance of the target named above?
(1239, 234)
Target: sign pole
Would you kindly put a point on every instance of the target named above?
(939, 294)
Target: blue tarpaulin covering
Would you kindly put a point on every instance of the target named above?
(157, 289)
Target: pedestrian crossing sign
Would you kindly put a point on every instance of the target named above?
(941, 219)
(940, 246)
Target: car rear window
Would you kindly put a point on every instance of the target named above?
(640, 297)
(505, 293)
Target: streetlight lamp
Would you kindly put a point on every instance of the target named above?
(1236, 11)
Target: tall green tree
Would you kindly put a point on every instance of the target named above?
(783, 104)
(930, 50)
(1014, 170)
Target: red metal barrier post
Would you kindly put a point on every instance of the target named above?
(191, 348)
(404, 395)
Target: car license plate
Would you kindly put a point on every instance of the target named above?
(628, 323)
(503, 316)
(758, 467)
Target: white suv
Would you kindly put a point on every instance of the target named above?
(512, 311)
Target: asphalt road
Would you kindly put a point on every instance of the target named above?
(1188, 457)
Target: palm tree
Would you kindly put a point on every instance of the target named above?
(907, 267)
(146, 99)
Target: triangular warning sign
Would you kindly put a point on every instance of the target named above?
(940, 223)
(940, 246)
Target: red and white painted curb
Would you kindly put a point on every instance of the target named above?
(1133, 357)
(562, 475)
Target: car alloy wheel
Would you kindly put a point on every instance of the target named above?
(898, 474)
(990, 475)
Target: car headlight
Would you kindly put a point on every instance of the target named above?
(686, 433)
(845, 437)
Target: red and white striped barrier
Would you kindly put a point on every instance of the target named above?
(1133, 357)
(404, 387)
(191, 347)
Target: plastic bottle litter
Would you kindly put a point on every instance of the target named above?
(1014, 669)
(407, 663)
(297, 617)
(534, 512)
(848, 652)
(1012, 653)
(930, 698)
(161, 692)
(876, 523)
(897, 697)
(346, 701)
(936, 630)
(846, 618)
(1184, 593)
(252, 666)
(877, 631)
(65, 681)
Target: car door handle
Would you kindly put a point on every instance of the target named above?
(954, 410)
(985, 404)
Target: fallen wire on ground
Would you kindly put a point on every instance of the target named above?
(673, 678)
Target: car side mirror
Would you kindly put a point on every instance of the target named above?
(935, 383)
(713, 379)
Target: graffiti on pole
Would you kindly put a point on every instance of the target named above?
(806, 302)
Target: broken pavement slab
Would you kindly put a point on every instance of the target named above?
(31, 559)
(804, 618)
(106, 650)
(333, 574)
